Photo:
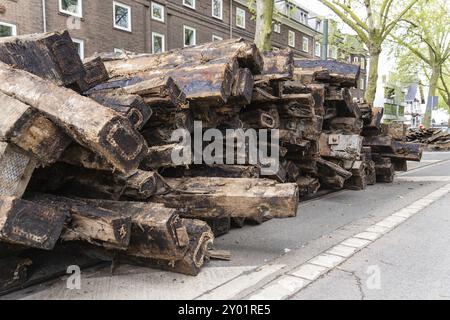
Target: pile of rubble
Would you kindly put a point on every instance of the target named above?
(434, 139)
(87, 150)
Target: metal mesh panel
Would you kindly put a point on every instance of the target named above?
(13, 166)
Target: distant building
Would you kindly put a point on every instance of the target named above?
(156, 26)
(348, 48)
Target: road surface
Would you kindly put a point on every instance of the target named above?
(390, 241)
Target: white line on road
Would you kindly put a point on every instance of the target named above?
(240, 283)
(424, 178)
(312, 270)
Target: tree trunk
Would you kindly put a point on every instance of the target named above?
(434, 78)
(371, 90)
(264, 15)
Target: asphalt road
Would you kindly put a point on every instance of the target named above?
(409, 260)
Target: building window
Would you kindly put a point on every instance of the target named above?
(355, 60)
(305, 44)
(122, 16)
(332, 52)
(158, 43)
(189, 3)
(318, 49)
(277, 27)
(240, 18)
(79, 45)
(363, 83)
(291, 38)
(363, 63)
(217, 9)
(216, 38)
(7, 30)
(157, 12)
(319, 25)
(117, 50)
(72, 7)
(189, 36)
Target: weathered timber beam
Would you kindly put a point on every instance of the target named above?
(200, 237)
(27, 223)
(99, 128)
(52, 56)
(232, 197)
(96, 73)
(278, 66)
(131, 106)
(246, 53)
(337, 73)
(340, 146)
(157, 231)
(28, 129)
(89, 223)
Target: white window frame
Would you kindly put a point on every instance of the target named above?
(156, 4)
(363, 63)
(189, 6)
(77, 14)
(332, 49)
(277, 27)
(155, 34)
(216, 38)
(291, 33)
(220, 17)
(117, 50)
(318, 45)
(305, 40)
(12, 26)
(81, 44)
(184, 36)
(119, 4)
(240, 11)
(362, 84)
(355, 60)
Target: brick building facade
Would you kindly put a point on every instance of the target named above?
(151, 25)
(154, 26)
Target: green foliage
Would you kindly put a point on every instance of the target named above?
(425, 34)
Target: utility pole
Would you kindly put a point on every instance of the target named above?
(325, 40)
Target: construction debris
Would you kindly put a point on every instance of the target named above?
(98, 154)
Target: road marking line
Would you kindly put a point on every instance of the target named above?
(377, 229)
(325, 262)
(356, 243)
(245, 281)
(390, 222)
(424, 178)
(309, 271)
(281, 288)
(343, 251)
(367, 235)
(427, 166)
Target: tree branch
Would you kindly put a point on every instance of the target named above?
(386, 30)
(412, 49)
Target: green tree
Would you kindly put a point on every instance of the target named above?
(373, 21)
(425, 32)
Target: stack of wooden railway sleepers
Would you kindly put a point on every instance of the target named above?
(433, 139)
(97, 161)
(83, 146)
(340, 162)
(389, 149)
